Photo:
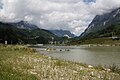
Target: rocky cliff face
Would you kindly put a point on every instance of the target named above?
(102, 22)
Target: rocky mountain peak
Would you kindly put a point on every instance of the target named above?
(101, 22)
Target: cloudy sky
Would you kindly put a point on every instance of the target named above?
(73, 15)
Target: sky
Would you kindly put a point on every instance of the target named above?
(72, 15)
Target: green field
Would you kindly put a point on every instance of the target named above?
(22, 63)
(101, 41)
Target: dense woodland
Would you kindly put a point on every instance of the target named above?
(14, 35)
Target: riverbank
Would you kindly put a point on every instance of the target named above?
(22, 63)
(108, 41)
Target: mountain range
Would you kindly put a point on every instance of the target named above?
(24, 25)
(23, 32)
(104, 25)
(62, 33)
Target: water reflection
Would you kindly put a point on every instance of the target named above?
(90, 55)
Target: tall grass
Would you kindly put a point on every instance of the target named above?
(22, 63)
(10, 68)
(114, 68)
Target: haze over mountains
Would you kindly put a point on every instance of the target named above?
(62, 33)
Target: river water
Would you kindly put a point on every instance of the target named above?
(83, 54)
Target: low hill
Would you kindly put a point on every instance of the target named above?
(28, 35)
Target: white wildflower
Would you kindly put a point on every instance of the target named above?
(89, 66)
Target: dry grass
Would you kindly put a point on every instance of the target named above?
(21, 63)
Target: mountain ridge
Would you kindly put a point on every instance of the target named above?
(62, 33)
(24, 25)
(15, 34)
(101, 24)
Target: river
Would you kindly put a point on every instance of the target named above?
(105, 56)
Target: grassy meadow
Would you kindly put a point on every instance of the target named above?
(22, 63)
(102, 41)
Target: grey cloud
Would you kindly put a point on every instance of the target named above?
(1, 5)
(73, 15)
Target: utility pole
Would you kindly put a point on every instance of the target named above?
(52, 40)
